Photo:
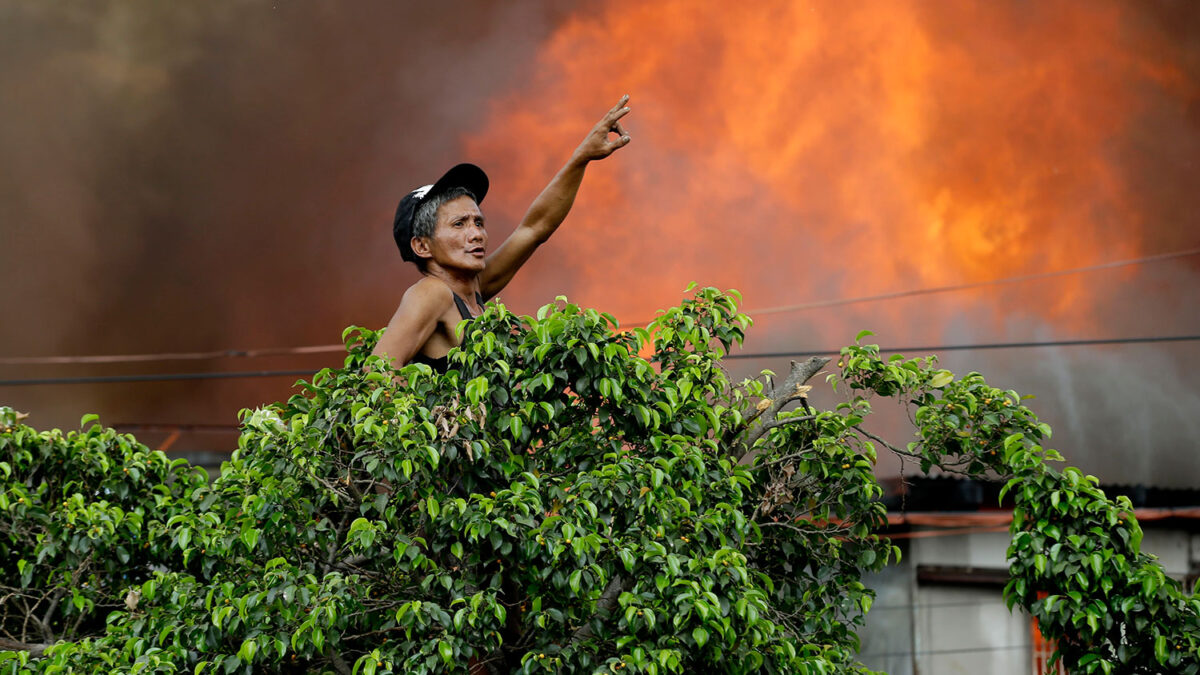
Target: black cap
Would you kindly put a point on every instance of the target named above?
(466, 176)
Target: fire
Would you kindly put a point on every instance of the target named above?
(802, 151)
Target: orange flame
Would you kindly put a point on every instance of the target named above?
(800, 151)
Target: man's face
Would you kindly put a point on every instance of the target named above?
(459, 240)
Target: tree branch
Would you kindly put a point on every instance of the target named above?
(335, 545)
(35, 649)
(793, 388)
(44, 622)
(785, 458)
(804, 530)
(605, 603)
(889, 446)
(787, 420)
(339, 664)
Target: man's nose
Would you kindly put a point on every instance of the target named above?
(478, 233)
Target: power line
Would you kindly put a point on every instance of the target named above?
(153, 377)
(323, 349)
(170, 356)
(976, 284)
(982, 346)
(925, 534)
(925, 605)
(163, 377)
(191, 428)
(932, 652)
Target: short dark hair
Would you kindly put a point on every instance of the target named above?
(466, 176)
(425, 219)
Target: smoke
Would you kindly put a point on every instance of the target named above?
(188, 177)
(192, 177)
(808, 151)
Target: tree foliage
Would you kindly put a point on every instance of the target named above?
(568, 498)
(1075, 560)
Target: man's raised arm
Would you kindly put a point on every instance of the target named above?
(547, 212)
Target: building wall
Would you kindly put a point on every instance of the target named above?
(944, 629)
(969, 630)
(887, 640)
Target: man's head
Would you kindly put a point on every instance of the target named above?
(417, 214)
(426, 218)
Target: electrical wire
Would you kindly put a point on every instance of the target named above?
(976, 284)
(153, 377)
(983, 346)
(164, 377)
(926, 605)
(322, 349)
(934, 652)
(170, 356)
(925, 534)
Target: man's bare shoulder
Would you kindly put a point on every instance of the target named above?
(422, 310)
(428, 295)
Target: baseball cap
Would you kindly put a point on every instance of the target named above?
(466, 176)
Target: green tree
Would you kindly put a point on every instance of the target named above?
(568, 498)
(84, 517)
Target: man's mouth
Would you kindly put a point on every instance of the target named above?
(478, 250)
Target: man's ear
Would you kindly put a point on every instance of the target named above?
(420, 246)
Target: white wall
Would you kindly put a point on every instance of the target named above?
(936, 629)
(969, 630)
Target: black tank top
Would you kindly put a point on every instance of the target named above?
(441, 363)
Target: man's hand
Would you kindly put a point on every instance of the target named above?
(546, 212)
(598, 144)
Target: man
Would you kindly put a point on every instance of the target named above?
(440, 228)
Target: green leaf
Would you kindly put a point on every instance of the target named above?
(700, 635)
(941, 379)
(250, 538)
(246, 653)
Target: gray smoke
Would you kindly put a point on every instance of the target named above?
(200, 176)
(203, 176)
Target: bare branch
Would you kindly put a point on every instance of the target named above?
(805, 530)
(889, 446)
(787, 420)
(335, 545)
(44, 622)
(331, 487)
(605, 603)
(34, 648)
(793, 388)
(785, 458)
(339, 664)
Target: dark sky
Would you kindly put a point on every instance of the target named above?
(209, 176)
